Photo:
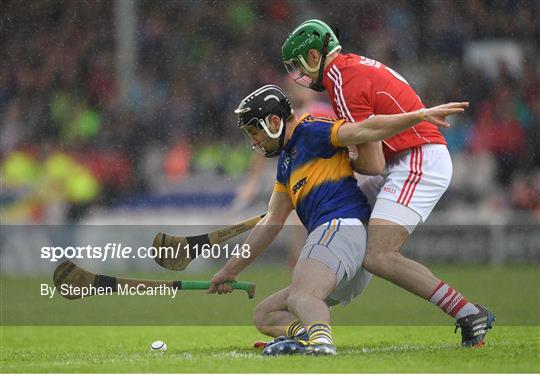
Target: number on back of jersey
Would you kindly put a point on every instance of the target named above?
(369, 62)
(377, 65)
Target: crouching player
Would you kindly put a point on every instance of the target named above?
(314, 176)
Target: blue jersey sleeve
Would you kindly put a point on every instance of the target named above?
(320, 137)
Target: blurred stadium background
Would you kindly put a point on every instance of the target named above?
(120, 112)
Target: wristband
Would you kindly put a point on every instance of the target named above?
(422, 114)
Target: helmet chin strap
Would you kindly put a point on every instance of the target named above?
(281, 140)
(286, 112)
(266, 128)
(280, 135)
(277, 151)
(317, 85)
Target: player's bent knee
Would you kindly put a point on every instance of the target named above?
(260, 318)
(262, 309)
(258, 314)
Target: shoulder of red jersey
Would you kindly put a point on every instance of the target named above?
(350, 85)
(347, 67)
(357, 62)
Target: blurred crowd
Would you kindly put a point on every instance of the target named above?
(69, 136)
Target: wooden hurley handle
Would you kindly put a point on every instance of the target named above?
(225, 234)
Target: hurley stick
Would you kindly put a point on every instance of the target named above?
(181, 255)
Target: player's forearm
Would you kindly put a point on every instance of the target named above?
(379, 127)
(258, 240)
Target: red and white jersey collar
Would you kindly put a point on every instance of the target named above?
(327, 83)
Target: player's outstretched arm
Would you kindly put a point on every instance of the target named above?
(379, 127)
(261, 236)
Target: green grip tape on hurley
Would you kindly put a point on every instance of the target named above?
(203, 285)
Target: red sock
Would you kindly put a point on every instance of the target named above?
(452, 302)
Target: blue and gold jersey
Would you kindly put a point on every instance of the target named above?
(317, 174)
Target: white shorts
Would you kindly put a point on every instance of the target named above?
(340, 245)
(411, 185)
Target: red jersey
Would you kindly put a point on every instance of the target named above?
(360, 87)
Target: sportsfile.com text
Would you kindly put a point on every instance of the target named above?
(118, 251)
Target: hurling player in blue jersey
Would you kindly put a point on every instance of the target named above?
(315, 178)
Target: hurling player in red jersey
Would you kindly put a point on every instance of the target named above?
(406, 184)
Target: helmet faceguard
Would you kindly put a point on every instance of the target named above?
(263, 125)
(255, 111)
(295, 69)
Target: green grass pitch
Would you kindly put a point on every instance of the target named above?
(227, 349)
(365, 336)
